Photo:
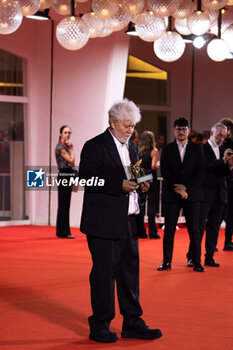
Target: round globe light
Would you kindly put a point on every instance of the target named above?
(199, 42)
(213, 16)
(62, 7)
(227, 36)
(181, 26)
(45, 4)
(198, 22)
(119, 20)
(106, 32)
(133, 7)
(149, 27)
(94, 23)
(184, 9)
(170, 47)
(217, 50)
(29, 7)
(104, 8)
(72, 33)
(10, 16)
(225, 23)
(163, 8)
(214, 4)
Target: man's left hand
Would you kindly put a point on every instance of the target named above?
(145, 186)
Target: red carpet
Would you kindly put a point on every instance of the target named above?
(45, 303)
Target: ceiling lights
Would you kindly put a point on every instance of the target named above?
(149, 19)
(10, 16)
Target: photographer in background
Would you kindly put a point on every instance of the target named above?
(217, 163)
(228, 217)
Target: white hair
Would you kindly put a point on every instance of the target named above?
(125, 109)
(218, 126)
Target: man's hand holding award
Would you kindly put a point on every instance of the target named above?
(139, 177)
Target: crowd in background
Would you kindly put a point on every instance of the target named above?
(150, 147)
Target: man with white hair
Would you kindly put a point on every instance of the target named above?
(228, 217)
(110, 219)
(217, 163)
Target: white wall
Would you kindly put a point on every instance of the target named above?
(32, 42)
(85, 84)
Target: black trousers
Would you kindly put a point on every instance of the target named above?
(63, 211)
(191, 213)
(229, 217)
(152, 208)
(210, 220)
(114, 261)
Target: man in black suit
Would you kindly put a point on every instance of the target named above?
(110, 220)
(228, 143)
(217, 164)
(181, 169)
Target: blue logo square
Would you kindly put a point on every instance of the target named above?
(35, 178)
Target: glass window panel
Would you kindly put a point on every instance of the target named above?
(11, 130)
(146, 91)
(155, 121)
(11, 74)
(145, 84)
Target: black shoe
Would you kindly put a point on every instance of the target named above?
(190, 263)
(139, 330)
(198, 268)
(211, 262)
(142, 235)
(104, 336)
(154, 236)
(164, 266)
(228, 247)
(67, 236)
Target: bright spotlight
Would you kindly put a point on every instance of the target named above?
(199, 42)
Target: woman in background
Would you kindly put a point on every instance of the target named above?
(65, 158)
(148, 153)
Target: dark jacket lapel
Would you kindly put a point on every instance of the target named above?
(111, 149)
(189, 147)
(176, 152)
(210, 150)
(133, 152)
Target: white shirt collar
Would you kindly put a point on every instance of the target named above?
(215, 148)
(213, 144)
(117, 142)
(179, 144)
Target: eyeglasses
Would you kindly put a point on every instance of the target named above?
(179, 129)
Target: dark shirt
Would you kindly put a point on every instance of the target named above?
(146, 163)
(61, 162)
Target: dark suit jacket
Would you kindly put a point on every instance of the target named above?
(105, 209)
(215, 172)
(188, 172)
(229, 144)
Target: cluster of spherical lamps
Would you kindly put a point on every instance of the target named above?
(152, 19)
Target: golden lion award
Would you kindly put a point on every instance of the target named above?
(139, 174)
